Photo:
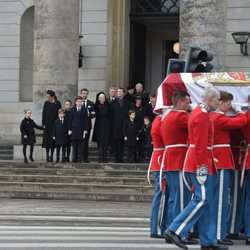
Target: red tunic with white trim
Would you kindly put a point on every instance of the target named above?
(156, 158)
(174, 132)
(237, 147)
(221, 146)
(200, 139)
(246, 132)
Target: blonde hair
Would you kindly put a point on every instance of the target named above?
(26, 110)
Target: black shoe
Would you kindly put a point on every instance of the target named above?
(174, 238)
(25, 160)
(193, 235)
(157, 236)
(214, 247)
(225, 242)
(167, 241)
(86, 160)
(248, 241)
(47, 159)
(57, 160)
(50, 159)
(67, 159)
(236, 237)
(31, 158)
(190, 241)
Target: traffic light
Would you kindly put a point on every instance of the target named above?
(198, 60)
(175, 66)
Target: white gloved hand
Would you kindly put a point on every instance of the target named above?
(201, 174)
(236, 107)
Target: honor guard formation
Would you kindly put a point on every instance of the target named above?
(201, 168)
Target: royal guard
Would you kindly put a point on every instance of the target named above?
(236, 206)
(157, 220)
(225, 165)
(174, 132)
(200, 168)
(246, 177)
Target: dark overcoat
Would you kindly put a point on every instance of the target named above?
(49, 115)
(60, 132)
(78, 123)
(27, 127)
(119, 115)
(102, 124)
(131, 131)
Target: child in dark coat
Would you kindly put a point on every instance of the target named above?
(28, 136)
(60, 135)
(67, 108)
(130, 135)
(147, 139)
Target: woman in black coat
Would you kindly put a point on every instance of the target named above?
(102, 124)
(49, 115)
(28, 136)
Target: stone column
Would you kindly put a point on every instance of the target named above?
(56, 46)
(203, 23)
(118, 29)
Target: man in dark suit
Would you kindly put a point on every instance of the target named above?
(89, 107)
(119, 109)
(78, 129)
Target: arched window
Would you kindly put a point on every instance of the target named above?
(26, 56)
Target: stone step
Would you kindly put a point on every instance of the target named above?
(72, 172)
(77, 187)
(63, 195)
(103, 166)
(74, 179)
(6, 157)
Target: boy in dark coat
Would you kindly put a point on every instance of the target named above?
(28, 136)
(78, 128)
(131, 135)
(60, 134)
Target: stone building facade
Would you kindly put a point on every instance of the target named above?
(123, 42)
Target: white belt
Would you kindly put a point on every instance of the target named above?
(175, 146)
(192, 146)
(158, 149)
(221, 146)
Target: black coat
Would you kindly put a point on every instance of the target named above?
(119, 115)
(130, 130)
(66, 119)
(78, 123)
(60, 132)
(140, 113)
(49, 115)
(89, 108)
(146, 137)
(27, 127)
(102, 124)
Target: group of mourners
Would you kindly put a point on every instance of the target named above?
(121, 120)
(201, 166)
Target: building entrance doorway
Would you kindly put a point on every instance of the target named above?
(154, 29)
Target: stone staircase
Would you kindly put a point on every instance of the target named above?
(6, 152)
(89, 181)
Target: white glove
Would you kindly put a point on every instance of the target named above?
(201, 174)
(236, 107)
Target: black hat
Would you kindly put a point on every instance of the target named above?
(138, 96)
(130, 87)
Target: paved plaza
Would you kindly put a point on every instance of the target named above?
(60, 224)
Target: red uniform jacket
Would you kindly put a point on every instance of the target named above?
(156, 158)
(200, 138)
(174, 132)
(237, 147)
(221, 146)
(246, 132)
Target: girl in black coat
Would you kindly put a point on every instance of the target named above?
(28, 136)
(147, 139)
(102, 125)
(50, 113)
